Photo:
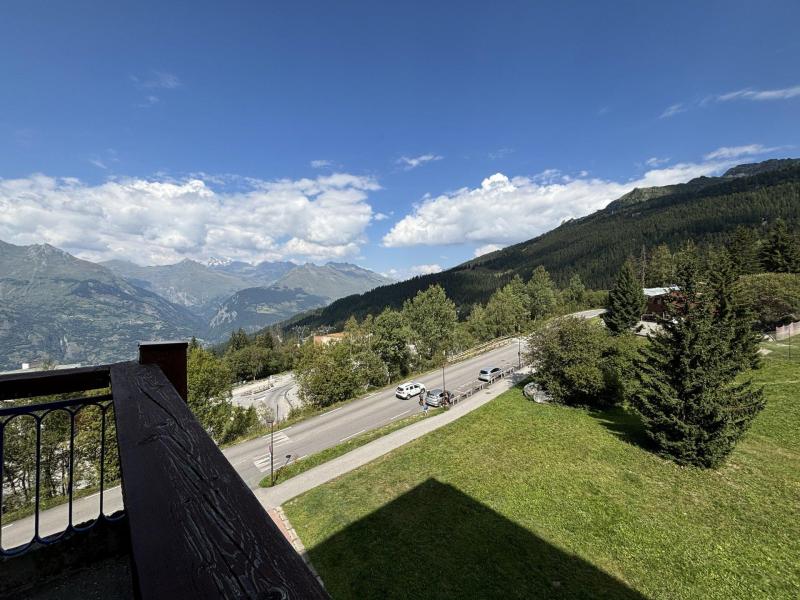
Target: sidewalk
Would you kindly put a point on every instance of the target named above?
(275, 496)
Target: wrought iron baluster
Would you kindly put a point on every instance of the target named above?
(102, 457)
(38, 421)
(71, 465)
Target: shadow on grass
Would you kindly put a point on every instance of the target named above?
(436, 542)
(625, 424)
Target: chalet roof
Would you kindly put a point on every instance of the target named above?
(659, 291)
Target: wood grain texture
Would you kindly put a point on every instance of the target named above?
(61, 381)
(197, 531)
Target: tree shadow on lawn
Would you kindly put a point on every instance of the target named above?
(625, 424)
(436, 542)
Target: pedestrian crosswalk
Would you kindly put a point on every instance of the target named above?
(262, 462)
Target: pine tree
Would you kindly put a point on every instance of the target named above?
(661, 268)
(237, 341)
(734, 318)
(626, 301)
(781, 251)
(743, 251)
(693, 410)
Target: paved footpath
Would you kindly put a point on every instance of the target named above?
(275, 496)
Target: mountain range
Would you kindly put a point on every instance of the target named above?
(54, 305)
(705, 210)
(59, 307)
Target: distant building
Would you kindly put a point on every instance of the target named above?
(656, 299)
(328, 338)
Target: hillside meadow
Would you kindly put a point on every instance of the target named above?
(518, 500)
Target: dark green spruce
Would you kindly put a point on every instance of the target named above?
(694, 404)
(626, 301)
(781, 250)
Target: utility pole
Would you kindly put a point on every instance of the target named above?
(444, 363)
(272, 451)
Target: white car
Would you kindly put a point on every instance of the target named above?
(407, 390)
(489, 374)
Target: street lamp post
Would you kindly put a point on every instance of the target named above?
(271, 452)
(519, 349)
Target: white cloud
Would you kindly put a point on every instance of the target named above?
(655, 161)
(727, 152)
(157, 80)
(505, 210)
(425, 269)
(487, 248)
(416, 161)
(761, 95)
(500, 153)
(673, 110)
(321, 164)
(149, 101)
(162, 221)
(380, 216)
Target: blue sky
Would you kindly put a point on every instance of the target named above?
(404, 137)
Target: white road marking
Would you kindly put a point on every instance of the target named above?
(7, 526)
(332, 411)
(344, 439)
(261, 461)
(400, 415)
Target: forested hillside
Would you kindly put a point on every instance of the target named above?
(706, 210)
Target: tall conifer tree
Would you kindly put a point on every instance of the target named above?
(693, 409)
(626, 301)
(781, 251)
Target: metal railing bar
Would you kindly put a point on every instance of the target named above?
(102, 458)
(37, 498)
(49, 406)
(71, 464)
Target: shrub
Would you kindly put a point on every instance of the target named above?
(578, 363)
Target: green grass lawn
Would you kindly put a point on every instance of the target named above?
(518, 500)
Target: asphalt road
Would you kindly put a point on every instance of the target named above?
(251, 459)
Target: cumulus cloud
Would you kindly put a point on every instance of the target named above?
(162, 221)
(761, 95)
(416, 161)
(487, 248)
(728, 152)
(380, 216)
(505, 210)
(425, 269)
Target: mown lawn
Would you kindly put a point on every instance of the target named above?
(518, 500)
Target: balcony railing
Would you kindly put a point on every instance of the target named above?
(195, 528)
(38, 416)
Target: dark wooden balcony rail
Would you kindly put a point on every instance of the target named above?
(196, 529)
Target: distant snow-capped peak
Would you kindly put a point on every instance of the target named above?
(218, 262)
